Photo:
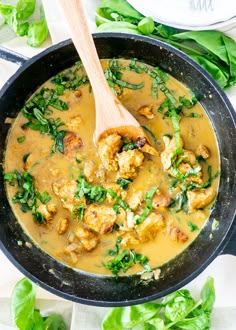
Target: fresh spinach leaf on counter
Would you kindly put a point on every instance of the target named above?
(15, 17)
(179, 310)
(213, 50)
(25, 315)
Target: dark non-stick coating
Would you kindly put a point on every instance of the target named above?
(108, 290)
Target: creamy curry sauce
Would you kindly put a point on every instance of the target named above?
(30, 151)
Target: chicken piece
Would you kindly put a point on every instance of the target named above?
(199, 198)
(101, 174)
(89, 171)
(74, 123)
(189, 157)
(135, 200)
(107, 150)
(160, 200)
(78, 93)
(146, 111)
(72, 143)
(117, 189)
(88, 239)
(128, 162)
(185, 167)
(48, 211)
(101, 219)
(74, 247)
(167, 154)
(62, 225)
(203, 151)
(175, 233)
(150, 227)
(65, 190)
(129, 239)
(149, 150)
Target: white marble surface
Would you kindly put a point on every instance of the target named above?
(223, 268)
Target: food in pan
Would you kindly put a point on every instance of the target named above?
(122, 206)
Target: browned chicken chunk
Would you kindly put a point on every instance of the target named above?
(48, 210)
(62, 225)
(146, 111)
(72, 143)
(65, 190)
(175, 233)
(185, 167)
(88, 239)
(89, 171)
(107, 150)
(101, 219)
(203, 151)
(129, 161)
(128, 239)
(150, 227)
(74, 123)
(135, 200)
(199, 198)
(167, 154)
(160, 200)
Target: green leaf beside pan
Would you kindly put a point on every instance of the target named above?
(16, 17)
(178, 310)
(213, 50)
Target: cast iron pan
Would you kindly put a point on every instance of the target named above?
(99, 290)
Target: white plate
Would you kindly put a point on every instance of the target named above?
(182, 15)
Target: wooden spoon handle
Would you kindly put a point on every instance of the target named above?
(83, 41)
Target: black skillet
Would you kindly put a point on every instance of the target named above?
(99, 290)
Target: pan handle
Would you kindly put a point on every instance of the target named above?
(11, 56)
(230, 246)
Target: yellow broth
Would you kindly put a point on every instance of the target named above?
(46, 168)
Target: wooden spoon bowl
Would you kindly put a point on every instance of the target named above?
(111, 115)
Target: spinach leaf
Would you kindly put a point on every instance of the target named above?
(178, 310)
(192, 226)
(27, 195)
(54, 322)
(119, 318)
(38, 31)
(146, 25)
(25, 316)
(211, 49)
(25, 8)
(208, 295)
(78, 211)
(22, 304)
(119, 7)
(148, 207)
(179, 307)
(199, 322)
(124, 183)
(15, 17)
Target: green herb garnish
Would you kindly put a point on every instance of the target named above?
(124, 183)
(27, 195)
(192, 226)
(148, 207)
(21, 139)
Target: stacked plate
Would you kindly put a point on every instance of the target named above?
(187, 15)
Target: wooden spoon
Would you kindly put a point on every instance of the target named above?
(111, 115)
